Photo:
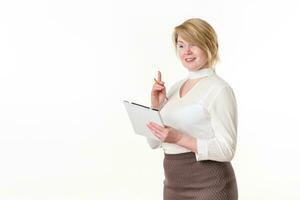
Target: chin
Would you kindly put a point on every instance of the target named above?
(192, 67)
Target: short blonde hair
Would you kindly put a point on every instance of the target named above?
(198, 32)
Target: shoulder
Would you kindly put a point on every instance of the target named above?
(218, 83)
(221, 91)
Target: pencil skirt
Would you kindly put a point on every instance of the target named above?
(189, 179)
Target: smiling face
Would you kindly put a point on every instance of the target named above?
(191, 56)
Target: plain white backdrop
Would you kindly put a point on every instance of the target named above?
(66, 66)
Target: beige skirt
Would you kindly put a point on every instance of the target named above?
(188, 179)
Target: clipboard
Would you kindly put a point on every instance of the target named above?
(140, 116)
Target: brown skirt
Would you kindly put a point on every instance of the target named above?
(188, 179)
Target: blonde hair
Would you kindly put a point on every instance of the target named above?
(198, 32)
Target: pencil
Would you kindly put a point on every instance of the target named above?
(156, 81)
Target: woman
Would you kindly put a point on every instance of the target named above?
(200, 117)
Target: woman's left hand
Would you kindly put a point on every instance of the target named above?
(165, 134)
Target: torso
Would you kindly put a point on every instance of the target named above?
(185, 110)
(187, 86)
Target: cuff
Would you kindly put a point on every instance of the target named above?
(202, 149)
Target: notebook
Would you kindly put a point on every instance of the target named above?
(140, 116)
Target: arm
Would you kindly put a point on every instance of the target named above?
(171, 135)
(154, 144)
(223, 113)
(221, 147)
(188, 142)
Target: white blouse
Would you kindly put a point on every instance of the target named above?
(208, 112)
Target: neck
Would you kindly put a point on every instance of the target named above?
(203, 72)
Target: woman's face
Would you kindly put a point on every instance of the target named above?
(191, 56)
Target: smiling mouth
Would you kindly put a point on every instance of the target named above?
(189, 59)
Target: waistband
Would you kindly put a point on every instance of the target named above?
(180, 156)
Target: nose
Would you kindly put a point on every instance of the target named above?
(188, 50)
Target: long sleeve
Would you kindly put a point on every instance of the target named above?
(223, 113)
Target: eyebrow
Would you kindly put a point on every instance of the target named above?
(180, 41)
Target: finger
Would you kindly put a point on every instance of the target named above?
(154, 131)
(150, 127)
(157, 135)
(159, 76)
(161, 83)
(157, 127)
(158, 87)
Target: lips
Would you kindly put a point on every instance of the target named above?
(189, 59)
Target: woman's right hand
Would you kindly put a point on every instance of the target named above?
(158, 93)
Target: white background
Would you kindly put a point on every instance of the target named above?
(66, 66)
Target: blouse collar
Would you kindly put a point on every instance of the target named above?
(200, 73)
